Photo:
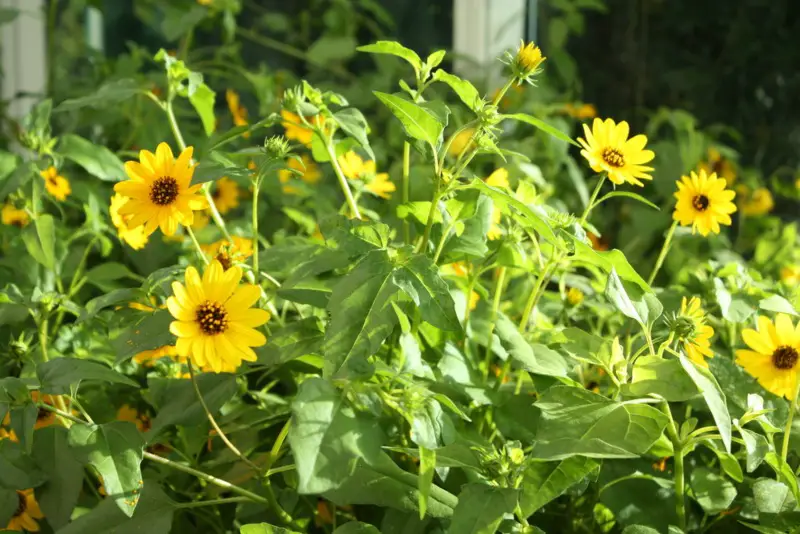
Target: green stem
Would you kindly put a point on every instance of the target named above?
(537, 291)
(590, 205)
(214, 424)
(443, 240)
(197, 246)
(663, 254)
(211, 502)
(498, 293)
(348, 195)
(470, 288)
(406, 188)
(278, 445)
(499, 96)
(256, 185)
(680, 483)
(787, 431)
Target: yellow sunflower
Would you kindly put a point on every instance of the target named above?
(692, 331)
(135, 237)
(56, 185)
(225, 195)
(238, 111)
(759, 202)
(773, 355)
(356, 168)
(226, 253)
(26, 514)
(201, 220)
(703, 202)
(790, 275)
(461, 142)
(147, 357)
(214, 319)
(529, 57)
(608, 149)
(132, 415)
(474, 297)
(499, 178)
(295, 130)
(8, 434)
(716, 163)
(582, 112)
(598, 243)
(11, 216)
(159, 191)
(44, 417)
(574, 296)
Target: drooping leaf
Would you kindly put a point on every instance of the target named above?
(40, 240)
(544, 481)
(642, 307)
(654, 375)
(534, 358)
(777, 304)
(107, 94)
(327, 437)
(608, 260)
(98, 160)
(353, 123)
(714, 397)
(427, 468)
(628, 194)
(56, 376)
(463, 88)
(59, 494)
(540, 124)
(395, 49)
(150, 332)
(153, 515)
(18, 470)
(481, 508)
(115, 450)
(356, 527)
(418, 122)
(578, 422)
(420, 280)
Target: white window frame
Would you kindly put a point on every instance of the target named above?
(24, 56)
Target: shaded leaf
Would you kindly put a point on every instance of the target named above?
(714, 493)
(544, 481)
(98, 160)
(714, 397)
(177, 401)
(481, 508)
(109, 93)
(56, 376)
(417, 122)
(59, 495)
(40, 240)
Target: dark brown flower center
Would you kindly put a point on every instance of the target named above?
(224, 260)
(52, 180)
(164, 191)
(718, 166)
(22, 504)
(42, 414)
(785, 357)
(700, 202)
(212, 318)
(613, 157)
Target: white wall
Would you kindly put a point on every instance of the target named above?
(23, 60)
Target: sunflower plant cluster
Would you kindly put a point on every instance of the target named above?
(389, 313)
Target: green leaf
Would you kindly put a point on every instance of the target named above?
(385, 484)
(784, 472)
(115, 450)
(18, 178)
(628, 194)
(729, 463)
(431, 427)
(96, 159)
(202, 99)
(534, 358)
(543, 482)
(644, 500)
(211, 170)
(353, 123)
(578, 422)
(295, 340)
(639, 529)
(177, 401)
(361, 312)
(736, 309)
(418, 122)
(435, 59)
(667, 378)
(463, 88)
(642, 307)
(395, 49)
(327, 438)
(777, 304)
(56, 376)
(714, 493)
(330, 48)
(420, 280)
(109, 93)
(356, 527)
(481, 508)
(714, 397)
(531, 218)
(18, 471)
(59, 495)
(23, 419)
(773, 497)
(40, 240)
(538, 123)
(150, 332)
(112, 298)
(153, 515)
(756, 447)
(427, 468)
(263, 528)
(608, 260)
(9, 499)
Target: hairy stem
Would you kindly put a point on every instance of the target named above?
(348, 194)
(537, 291)
(197, 246)
(498, 293)
(590, 205)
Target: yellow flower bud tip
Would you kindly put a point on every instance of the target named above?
(574, 296)
(529, 57)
